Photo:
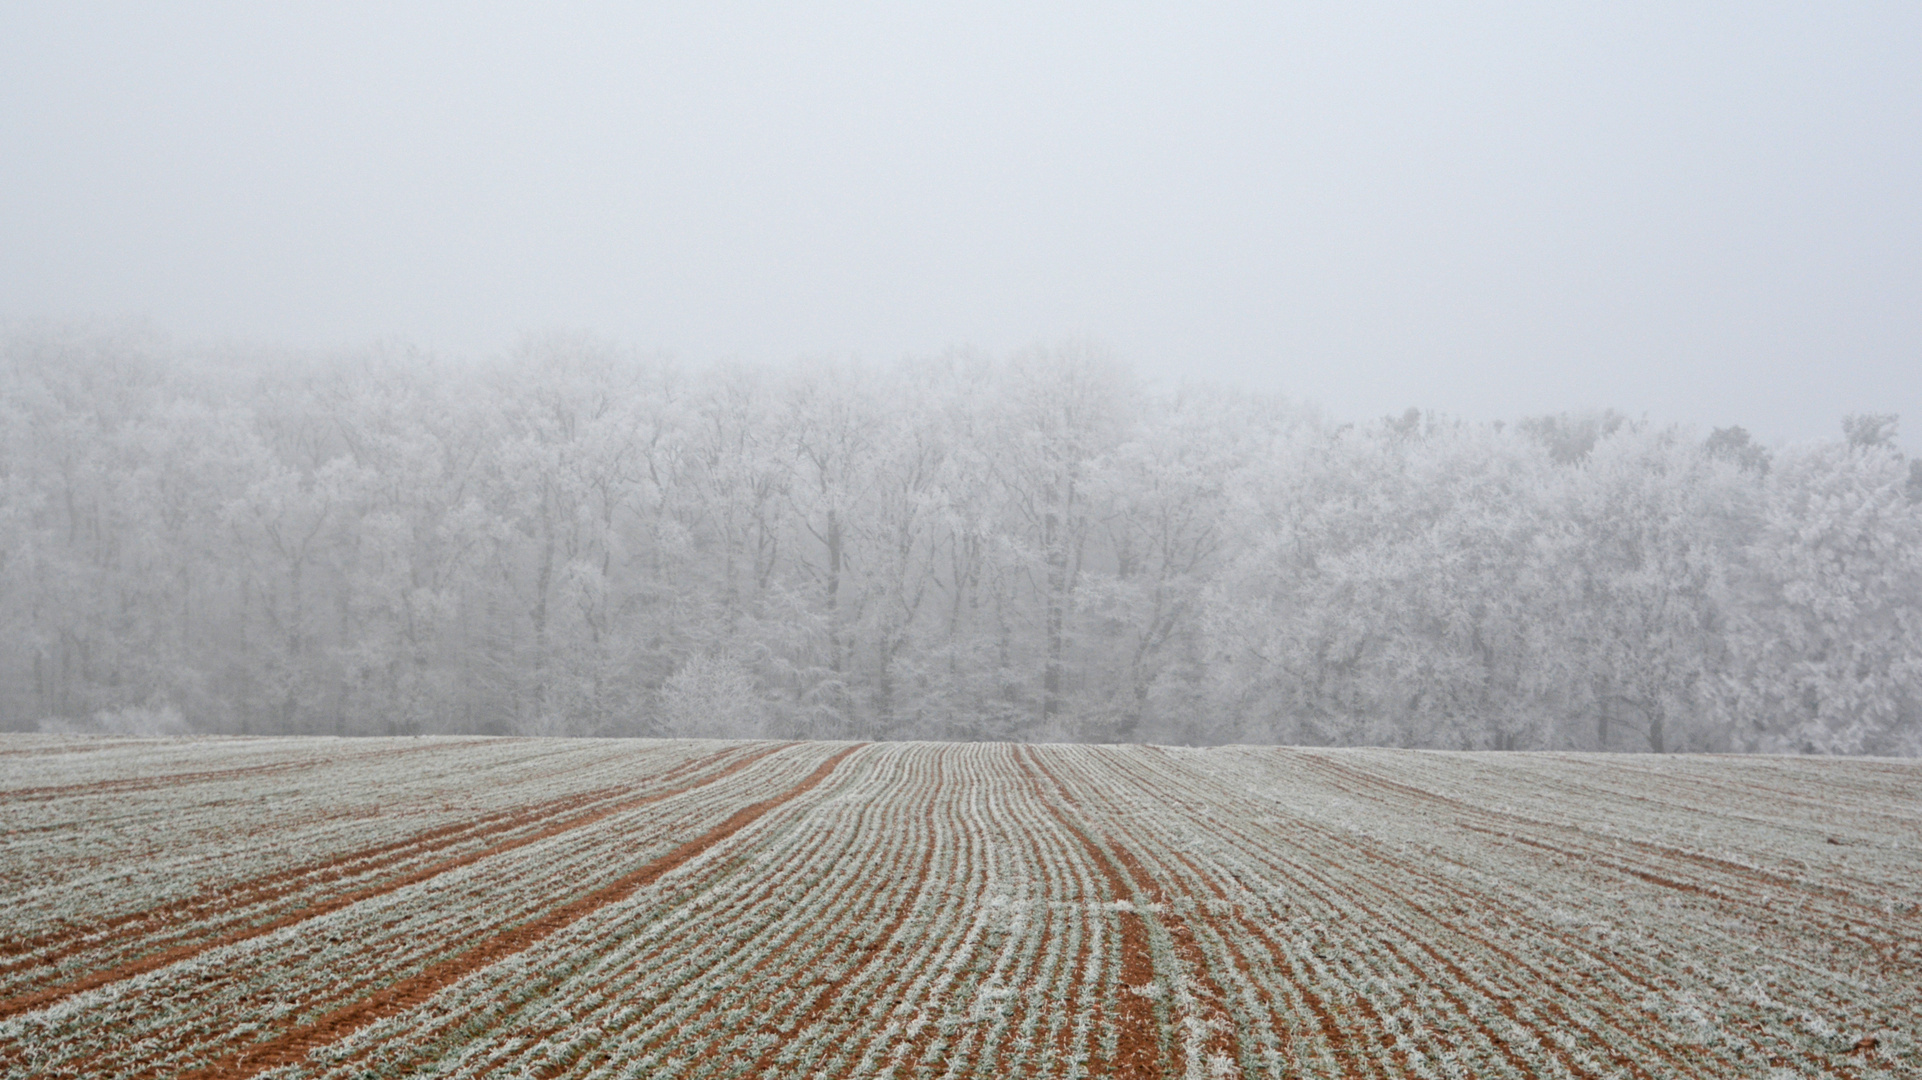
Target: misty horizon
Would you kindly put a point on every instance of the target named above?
(1478, 377)
(1492, 211)
(253, 355)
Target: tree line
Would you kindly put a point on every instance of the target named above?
(574, 538)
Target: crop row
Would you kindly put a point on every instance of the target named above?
(211, 874)
(218, 998)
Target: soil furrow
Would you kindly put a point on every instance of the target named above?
(174, 780)
(1141, 1050)
(293, 1046)
(1747, 874)
(882, 950)
(45, 996)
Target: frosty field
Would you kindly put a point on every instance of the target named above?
(227, 908)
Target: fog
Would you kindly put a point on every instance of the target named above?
(1707, 215)
(1479, 378)
(580, 540)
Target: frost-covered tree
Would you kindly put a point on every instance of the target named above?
(1827, 637)
(1651, 527)
(711, 697)
(571, 538)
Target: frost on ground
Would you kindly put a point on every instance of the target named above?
(222, 908)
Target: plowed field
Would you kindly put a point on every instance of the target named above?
(486, 907)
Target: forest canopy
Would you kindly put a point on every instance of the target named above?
(574, 538)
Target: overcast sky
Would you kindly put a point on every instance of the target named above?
(1708, 212)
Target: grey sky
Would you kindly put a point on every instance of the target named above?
(1709, 212)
